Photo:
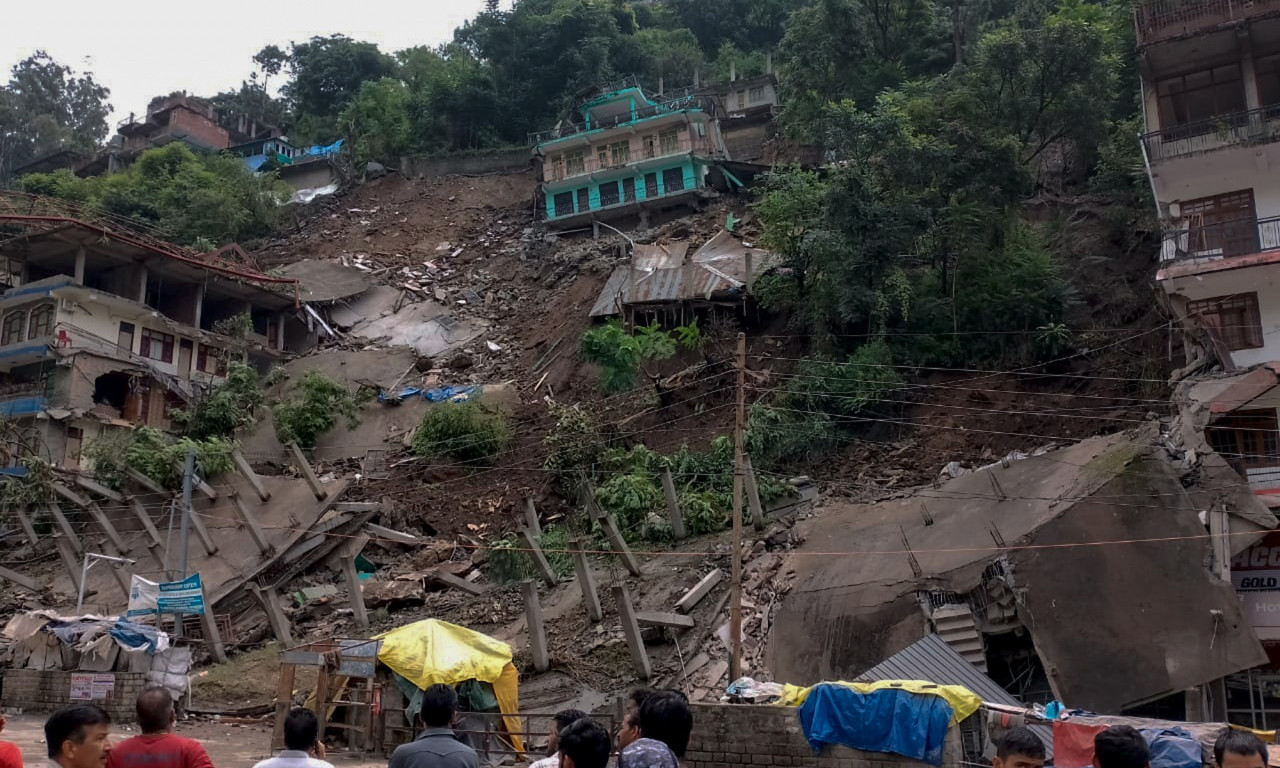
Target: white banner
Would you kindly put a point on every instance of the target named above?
(144, 596)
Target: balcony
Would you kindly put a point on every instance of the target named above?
(1160, 20)
(590, 166)
(669, 104)
(1220, 240)
(1255, 126)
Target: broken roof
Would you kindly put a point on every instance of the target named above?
(663, 274)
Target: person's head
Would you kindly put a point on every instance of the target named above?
(1120, 746)
(665, 716)
(1239, 749)
(439, 702)
(584, 743)
(630, 731)
(155, 709)
(79, 736)
(1020, 748)
(301, 730)
(563, 719)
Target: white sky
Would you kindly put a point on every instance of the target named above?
(140, 49)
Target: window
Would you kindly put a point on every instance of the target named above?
(651, 185)
(742, 99)
(602, 158)
(756, 94)
(584, 200)
(575, 163)
(609, 194)
(673, 180)
(1222, 225)
(1200, 95)
(650, 146)
(1247, 439)
(125, 338)
(557, 168)
(1268, 73)
(620, 152)
(14, 324)
(156, 346)
(562, 204)
(41, 322)
(1234, 319)
(211, 360)
(629, 190)
(669, 141)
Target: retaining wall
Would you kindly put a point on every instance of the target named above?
(736, 735)
(45, 691)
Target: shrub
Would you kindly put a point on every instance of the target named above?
(509, 562)
(465, 431)
(228, 407)
(630, 497)
(156, 455)
(573, 445)
(313, 408)
(622, 356)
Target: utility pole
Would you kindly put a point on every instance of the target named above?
(188, 472)
(735, 601)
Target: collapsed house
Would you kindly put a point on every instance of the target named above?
(1094, 574)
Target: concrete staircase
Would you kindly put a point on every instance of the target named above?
(955, 625)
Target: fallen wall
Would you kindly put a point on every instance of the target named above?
(47, 690)
(735, 735)
(418, 166)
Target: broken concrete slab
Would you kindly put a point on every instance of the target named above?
(375, 302)
(427, 327)
(699, 591)
(325, 281)
(669, 620)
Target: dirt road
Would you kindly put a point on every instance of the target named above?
(229, 746)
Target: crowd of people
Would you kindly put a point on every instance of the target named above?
(654, 733)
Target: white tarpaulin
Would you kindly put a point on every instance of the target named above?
(143, 597)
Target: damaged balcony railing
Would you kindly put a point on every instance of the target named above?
(1158, 20)
(558, 168)
(1220, 240)
(1255, 126)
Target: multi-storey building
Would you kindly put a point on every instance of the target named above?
(624, 153)
(174, 118)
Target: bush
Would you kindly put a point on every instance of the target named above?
(573, 445)
(777, 436)
(156, 455)
(622, 356)
(464, 431)
(228, 407)
(313, 408)
(630, 497)
(509, 562)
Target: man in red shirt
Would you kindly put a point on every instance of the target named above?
(10, 755)
(158, 746)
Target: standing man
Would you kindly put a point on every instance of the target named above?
(1020, 748)
(158, 746)
(78, 736)
(1120, 746)
(10, 755)
(1239, 749)
(563, 719)
(303, 747)
(437, 746)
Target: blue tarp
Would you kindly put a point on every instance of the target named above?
(133, 635)
(449, 393)
(318, 150)
(1172, 748)
(888, 720)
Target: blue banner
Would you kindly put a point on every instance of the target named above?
(186, 596)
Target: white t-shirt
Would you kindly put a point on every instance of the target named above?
(292, 758)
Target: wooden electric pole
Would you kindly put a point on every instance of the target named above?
(735, 601)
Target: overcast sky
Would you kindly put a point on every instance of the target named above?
(140, 50)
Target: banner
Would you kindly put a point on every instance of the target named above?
(147, 598)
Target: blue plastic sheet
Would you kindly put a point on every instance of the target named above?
(887, 720)
(441, 394)
(133, 635)
(1172, 748)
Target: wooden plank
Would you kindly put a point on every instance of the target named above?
(105, 524)
(70, 495)
(631, 629)
(537, 629)
(25, 521)
(305, 468)
(284, 702)
(140, 512)
(539, 560)
(390, 535)
(250, 521)
(449, 580)
(699, 591)
(95, 487)
(673, 620)
(65, 526)
(17, 578)
(146, 482)
(250, 476)
(586, 580)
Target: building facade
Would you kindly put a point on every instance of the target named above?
(625, 153)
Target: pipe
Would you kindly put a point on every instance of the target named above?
(1151, 179)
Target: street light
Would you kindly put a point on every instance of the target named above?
(91, 558)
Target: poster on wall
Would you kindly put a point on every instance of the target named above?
(81, 687)
(102, 686)
(147, 598)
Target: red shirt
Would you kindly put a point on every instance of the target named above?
(161, 750)
(10, 755)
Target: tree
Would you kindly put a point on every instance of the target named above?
(327, 72)
(376, 121)
(46, 107)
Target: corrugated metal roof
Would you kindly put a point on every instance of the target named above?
(931, 659)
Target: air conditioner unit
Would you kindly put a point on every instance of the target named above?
(67, 305)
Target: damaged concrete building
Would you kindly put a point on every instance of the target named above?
(103, 327)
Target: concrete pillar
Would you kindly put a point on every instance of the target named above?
(539, 560)
(586, 580)
(70, 558)
(270, 603)
(304, 467)
(674, 514)
(354, 593)
(250, 476)
(537, 630)
(141, 297)
(251, 523)
(1247, 71)
(79, 273)
(631, 628)
(280, 318)
(531, 516)
(197, 311)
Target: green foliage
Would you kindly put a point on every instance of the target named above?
(188, 196)
(776, 436)
(574, 444)
(622, 356)
(465, 431)
(631, 497)
(46, 107)
(326, 73)
(509, 562)
(156, 455)
(36, 488)
(228, 407)
(376, 122)
(313, 407)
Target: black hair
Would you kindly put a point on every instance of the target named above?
(665, 716)
(1120, 746)
(567, 717)
(587, 743)
(1238, 743)
(69, 724)
(439, 702)
(301, 729)
(1020, 740)
(155, 709)
(638, 696)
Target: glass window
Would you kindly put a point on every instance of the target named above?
(669, 141)
(14, 324)
(756, 94)
(562, 204)
(602, 158)
(629, 190)
(1234, 318)
(1268, 72)
(41, 322)
(211, 360)
(1200, 95)
(156, 346)
(584, 200)
(620, 152)
(575, 162)
(673, 180)
(609, 194)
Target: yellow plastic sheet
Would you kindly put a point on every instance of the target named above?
(433, 651)
(963, 701)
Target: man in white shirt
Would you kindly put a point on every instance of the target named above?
(563, 719)
(302, 745)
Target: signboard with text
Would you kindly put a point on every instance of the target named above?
(1255, 573)
(147, 598)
